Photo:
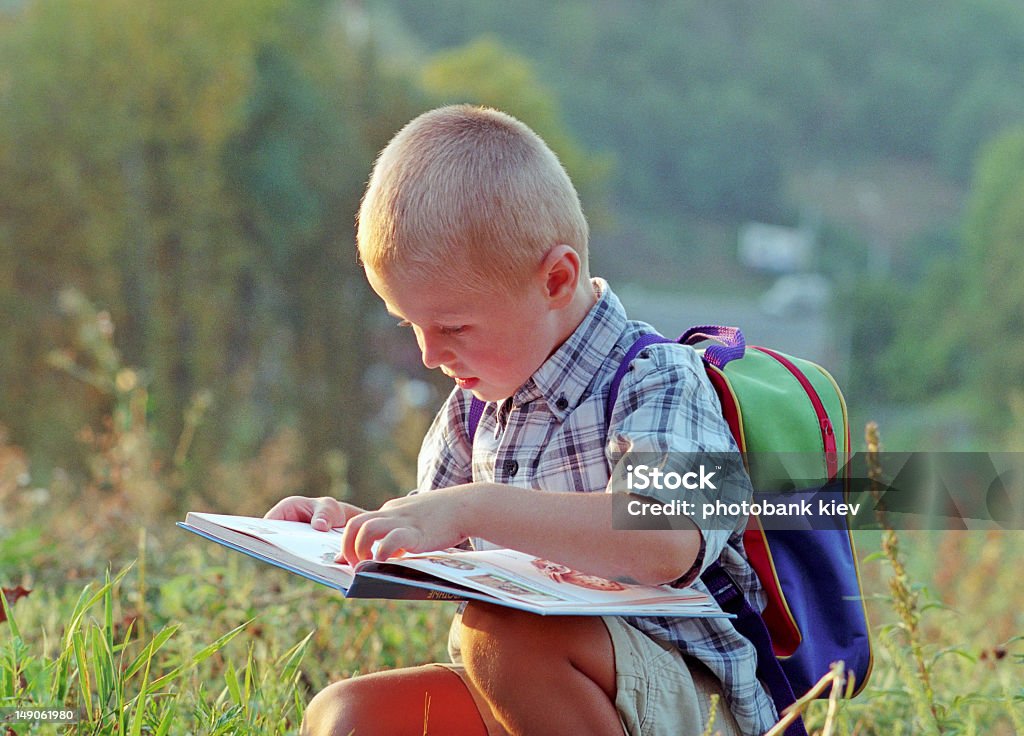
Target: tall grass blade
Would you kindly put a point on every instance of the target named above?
(146, 655)
(9, 614)
(203, 654)
(293, 658)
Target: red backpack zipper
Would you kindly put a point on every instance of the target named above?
(828, 435)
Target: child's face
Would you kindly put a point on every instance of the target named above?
(489, 344)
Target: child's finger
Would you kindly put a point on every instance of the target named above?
(348, 539)
(327, 514)
(321, 520)
(392, 544)
(292, 508)
(361, 531)
(371, 531)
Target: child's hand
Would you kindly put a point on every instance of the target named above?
(323, 514)
(424, 522)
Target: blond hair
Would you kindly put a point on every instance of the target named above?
(464, 186)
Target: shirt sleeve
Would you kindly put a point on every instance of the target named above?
(667, 421)
(445, 457)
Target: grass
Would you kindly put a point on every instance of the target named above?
(143, 633)
(191, 638)
(202, 642)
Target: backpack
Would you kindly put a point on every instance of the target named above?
(778, 405)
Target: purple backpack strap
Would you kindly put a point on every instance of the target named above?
(750, 624)
(732, 346)
(642, 342)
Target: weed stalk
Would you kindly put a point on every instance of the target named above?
(904, 597)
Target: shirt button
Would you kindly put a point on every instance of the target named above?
(511, 467)
(562, 404)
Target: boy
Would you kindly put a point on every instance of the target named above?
(472, 234)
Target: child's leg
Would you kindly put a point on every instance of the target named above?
(542, 674)
(539, 675)
(412, 701)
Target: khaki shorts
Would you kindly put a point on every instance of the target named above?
(658, 691)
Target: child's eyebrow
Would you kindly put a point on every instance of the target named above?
(440, 319)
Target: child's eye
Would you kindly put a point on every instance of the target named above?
(458, 330)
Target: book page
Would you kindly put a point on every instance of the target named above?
(511, 574)
(299, 542)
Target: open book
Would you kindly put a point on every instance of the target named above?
(504, 577)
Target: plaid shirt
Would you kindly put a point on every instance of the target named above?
(552, 435)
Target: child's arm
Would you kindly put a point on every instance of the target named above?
(574, 529)
(667, 407)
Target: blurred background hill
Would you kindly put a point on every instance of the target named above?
(178, 183)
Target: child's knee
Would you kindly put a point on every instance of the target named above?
(489, 633)
(338, 709)
(504, 645)
(498, 638)
(483, 624)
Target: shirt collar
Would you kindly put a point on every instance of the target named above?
(563, 379)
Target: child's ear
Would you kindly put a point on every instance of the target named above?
(560, 272)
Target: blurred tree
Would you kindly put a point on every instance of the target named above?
(319, 110)
(194, 168)
(991, 101)
(111, 116)
(484, 72)
(924, 355)
(961, 328)
(994, 274)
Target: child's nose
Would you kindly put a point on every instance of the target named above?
(433, 350)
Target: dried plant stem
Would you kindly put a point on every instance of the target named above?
(833, 698)
(709, 729)
(835, 679)
(904, 598)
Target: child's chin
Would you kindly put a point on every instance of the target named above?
(488, 393)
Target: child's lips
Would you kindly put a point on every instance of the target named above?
(466, 383)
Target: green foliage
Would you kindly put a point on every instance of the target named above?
(216, 649)
(959, 329)
(109, 175)
(991, 102)
(705, 104)
(994, 302)
(194, 170)
(879, 308)
(115, 685)
(486, 73)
